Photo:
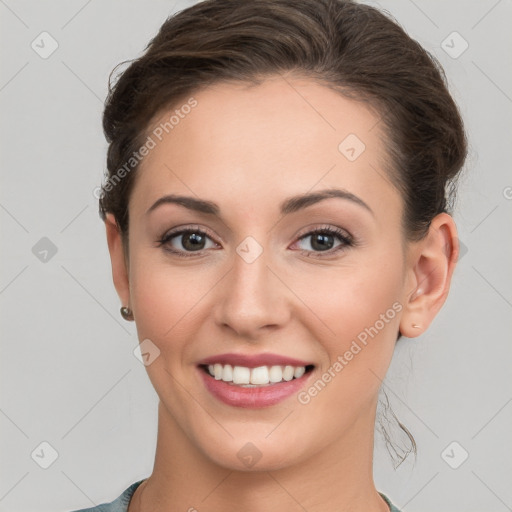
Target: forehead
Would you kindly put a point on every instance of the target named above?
(281, 137)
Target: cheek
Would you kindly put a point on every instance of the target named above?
(155, 296)
(362, 313)
(166, 299)
(352, 299)
(360, 310)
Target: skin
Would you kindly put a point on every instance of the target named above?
(248, 149)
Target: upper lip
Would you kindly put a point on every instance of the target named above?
(254, 360)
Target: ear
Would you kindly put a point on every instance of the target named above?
(431, 264)
(117, 258)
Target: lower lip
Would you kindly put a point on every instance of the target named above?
(262, 396)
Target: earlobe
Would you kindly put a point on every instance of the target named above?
(117, 258)
(432, 263)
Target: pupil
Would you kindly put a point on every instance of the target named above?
(322, 241)
(194, 240)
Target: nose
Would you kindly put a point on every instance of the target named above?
(252, 300)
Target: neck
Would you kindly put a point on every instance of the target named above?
(339, 478)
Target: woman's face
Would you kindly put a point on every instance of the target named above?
(251, 286)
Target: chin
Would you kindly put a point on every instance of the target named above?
(248, 456)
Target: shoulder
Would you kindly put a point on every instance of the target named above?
(120, 504)
(392, 507)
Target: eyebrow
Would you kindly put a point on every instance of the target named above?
(290, 205)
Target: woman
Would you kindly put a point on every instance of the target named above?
(277, 217)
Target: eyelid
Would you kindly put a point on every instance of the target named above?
(309, 230)
(343, 235)
(186, 228)
(177, 231)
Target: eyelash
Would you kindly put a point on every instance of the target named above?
(343, 236)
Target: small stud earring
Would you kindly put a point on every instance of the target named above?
(126, 313)
(416, 293)
(415, 326)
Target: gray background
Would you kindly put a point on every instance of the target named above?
(68, 373)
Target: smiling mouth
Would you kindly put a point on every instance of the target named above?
(260, 376)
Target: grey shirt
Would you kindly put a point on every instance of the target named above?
(121, 503)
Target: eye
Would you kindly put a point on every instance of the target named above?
(189, 240)
(185, 242)
(322, 240)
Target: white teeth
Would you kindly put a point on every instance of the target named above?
(217, 371)
(241, 375)
(275, 374)
(288, 373)
(299, 372)
(260, 376)
(227, 373)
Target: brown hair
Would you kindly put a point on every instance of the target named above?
(352, 48)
